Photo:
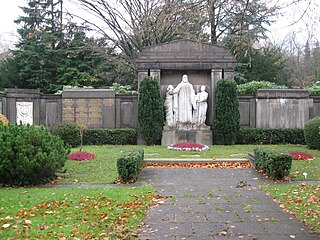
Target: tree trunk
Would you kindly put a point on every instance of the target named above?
(212, 19)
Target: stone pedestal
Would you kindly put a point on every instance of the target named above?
(172, 135)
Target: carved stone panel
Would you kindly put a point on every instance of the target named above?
(24, 112)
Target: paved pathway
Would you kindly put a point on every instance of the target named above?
(216, 204)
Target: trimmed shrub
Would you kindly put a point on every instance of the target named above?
(101, 136)
(69, 133)
(227, 116)
(129, 165)
(274, 163)
(312, 133)
(29, 155)
(270, 136)
(150, 111)
(251, 87)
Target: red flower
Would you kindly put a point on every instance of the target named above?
(188, 146)
(80, 156)
(301, 156)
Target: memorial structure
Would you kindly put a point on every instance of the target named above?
(187, 72)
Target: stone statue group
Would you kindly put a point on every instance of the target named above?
(184, 108)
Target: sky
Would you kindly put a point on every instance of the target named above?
(277, 34)
(7, 15)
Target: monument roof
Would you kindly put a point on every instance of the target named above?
(185, 54)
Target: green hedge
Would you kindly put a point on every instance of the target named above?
(270, 136)
(70, 134)
(101, 136)
(312, 133)
(129, 164)
(274, 163)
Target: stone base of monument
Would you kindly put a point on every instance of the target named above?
(201, 135)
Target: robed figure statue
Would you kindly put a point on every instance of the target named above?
(184, 102)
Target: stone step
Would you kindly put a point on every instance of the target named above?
(192, 160)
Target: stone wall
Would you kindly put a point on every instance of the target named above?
(247, 109)
(46, 108)
(103, 108)
(315, 111)
(126, 111)
(94, 108)
(13, 97)
(51, 110)
(282, 108)
(278, 108)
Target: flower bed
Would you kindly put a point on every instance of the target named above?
(301, 156)
(81, 156)
(4, 120)
(188, 146)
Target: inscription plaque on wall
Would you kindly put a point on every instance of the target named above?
(95, 112)
(24, 112)
(68, 111)
(81, 112)
(85, 112)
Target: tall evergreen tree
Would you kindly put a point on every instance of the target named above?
(52, 53)
(264, 64)
(150, 111)
(226, 112)
(40, 49)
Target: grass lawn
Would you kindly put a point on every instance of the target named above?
(115, 213)
(34, 213)
(303, 201)
(102, 169)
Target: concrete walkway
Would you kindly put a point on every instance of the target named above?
(216, 204)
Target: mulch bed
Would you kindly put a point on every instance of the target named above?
(199, 165)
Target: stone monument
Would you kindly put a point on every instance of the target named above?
(202, 107)
(184, 109)
(187, 72)
(186, 114)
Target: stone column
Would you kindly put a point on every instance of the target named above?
(156, 74)
(229, 75)
(141, 75)
(216, 75)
